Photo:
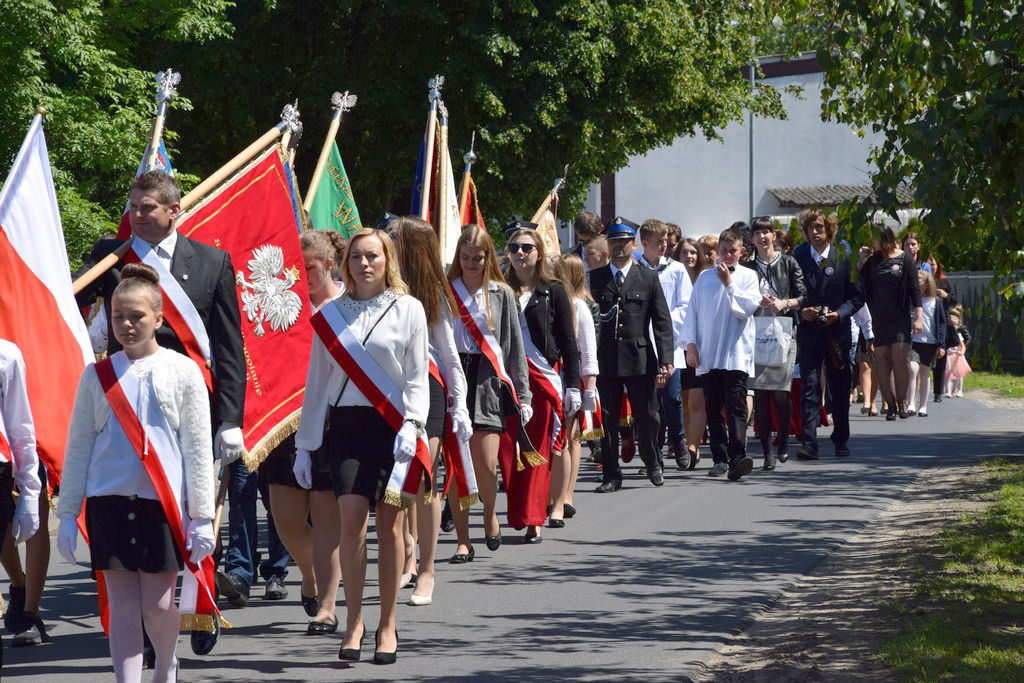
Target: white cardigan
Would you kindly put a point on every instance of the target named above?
(442, 345)
(586, 337)
(399, 345)
(185, 403)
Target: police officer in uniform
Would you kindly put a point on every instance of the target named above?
(632, 303)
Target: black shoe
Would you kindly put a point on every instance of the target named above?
(806, 455)
(203, 641)
(911, 412)
(351, 654)
(463, 558)
(568, 511)
(14, 616)
(310, 605)
(493, 542)
(903, 411)
(322, 628)
(938, 398)
(842, 451)
(656, 477)
(609, 486)
(768, 466)
(276, 590)
(385, 657)
(33, 631)
(683, 459)
(556, 523)
(531, 538)
(447, 521)
(694, 457)
(890, 415)
(233, 588)
(783, 456)
(740, 467)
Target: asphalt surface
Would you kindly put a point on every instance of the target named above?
(643, 584)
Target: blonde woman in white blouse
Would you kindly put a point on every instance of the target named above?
(362, 447)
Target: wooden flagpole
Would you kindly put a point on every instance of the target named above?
(200, 190)
(166, 82)
(341, 104)
(559, 182)
(468, 159)
(442, 179)
(433, 96)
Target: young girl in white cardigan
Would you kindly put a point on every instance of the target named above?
(132, 541)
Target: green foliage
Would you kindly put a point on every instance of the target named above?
(584, 82)
(82, 60)
(1010, 386)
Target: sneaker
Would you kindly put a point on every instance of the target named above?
(33, 635)
(718, 469)
(642, 472)
(276, 590)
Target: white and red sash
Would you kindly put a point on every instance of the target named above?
(382, 393)
(458, 460)
(475, 322)
(6, 454)
(591, 427)
(549, 382)
(157, 447)
(179, 311)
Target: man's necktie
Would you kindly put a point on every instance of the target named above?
(619, 279)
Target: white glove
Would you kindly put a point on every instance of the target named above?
(527, 411)
(590, 400)
(303, 468)
(462, 425)
(228, 444)
(201, 540)
(571, 401)
(405, 443)
(67, 538)
(26, 519)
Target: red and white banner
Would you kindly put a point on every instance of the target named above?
(250, 216)
(458, 460)
(37, 308)
(382, 393)
(157, 447)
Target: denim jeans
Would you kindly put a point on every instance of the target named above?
(243, 529)
(670, 399)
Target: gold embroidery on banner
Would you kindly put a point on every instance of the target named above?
(467, 502)
(271, 411)
(393, 498)
(271, 440)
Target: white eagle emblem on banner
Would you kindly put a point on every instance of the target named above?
(268, 298)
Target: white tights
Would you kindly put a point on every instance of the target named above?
(920, 387)
(131, 595)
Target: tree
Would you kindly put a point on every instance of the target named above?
(79, 60)
(584, 82)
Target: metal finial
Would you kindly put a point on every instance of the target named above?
(290, 117)
(166, 82)
(343, 102)
(559, 182)
(41, 110)
(470, 158)
(434, 86)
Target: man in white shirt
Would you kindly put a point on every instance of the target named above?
(718, 332)
(675, 283)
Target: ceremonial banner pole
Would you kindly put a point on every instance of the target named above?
(442, 180)
(468, 158)
(166, 82)
(289, 121)
(341, 104)
(433, 96)
(559, 182)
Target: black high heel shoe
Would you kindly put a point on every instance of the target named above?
(903, 411)
(890, 415)
(385, 657)
(352, 654)
(493, 542)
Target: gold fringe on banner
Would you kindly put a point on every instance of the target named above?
(201, 622)
(467, 502)
(533, 458)
(591, 435)
(626, 421)
(393, 498)
(519, 463)
(254, 458)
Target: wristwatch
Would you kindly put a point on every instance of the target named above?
(415, 423)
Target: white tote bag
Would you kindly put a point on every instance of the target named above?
(772, 339)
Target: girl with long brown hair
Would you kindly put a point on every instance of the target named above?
(691, 254)
(493, 318)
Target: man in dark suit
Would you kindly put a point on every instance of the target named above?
(631, 302)
(823, 336)
(207, 277)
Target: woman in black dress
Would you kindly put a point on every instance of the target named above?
(890, 283)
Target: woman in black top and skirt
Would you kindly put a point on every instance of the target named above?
(894, 299)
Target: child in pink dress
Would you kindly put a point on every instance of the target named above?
(957, 366)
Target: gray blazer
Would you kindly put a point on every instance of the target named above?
(490, 407)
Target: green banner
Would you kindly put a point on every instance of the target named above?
(334, 207)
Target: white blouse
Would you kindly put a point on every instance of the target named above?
(99, 460)
(464, 342)
(398, 343)
(586, 337)
(16, 415)
(719, 322)
(928, 331)
(446, 355)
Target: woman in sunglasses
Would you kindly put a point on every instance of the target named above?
(550, 343)
(490, 346)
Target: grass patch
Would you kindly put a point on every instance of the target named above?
(966, 619)
(1011, 386)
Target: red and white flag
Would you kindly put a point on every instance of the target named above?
(37, 309)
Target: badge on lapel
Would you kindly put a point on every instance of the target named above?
(829, 271)
(896, 267)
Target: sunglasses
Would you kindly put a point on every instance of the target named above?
(516, 246)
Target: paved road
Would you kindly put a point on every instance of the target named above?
(644, 584)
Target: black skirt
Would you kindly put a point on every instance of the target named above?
(438, 407)
(688, 379)
(278, 467)
(360, 451)
(924, 353)
(132, 534)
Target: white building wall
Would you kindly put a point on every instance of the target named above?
(703, 185)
